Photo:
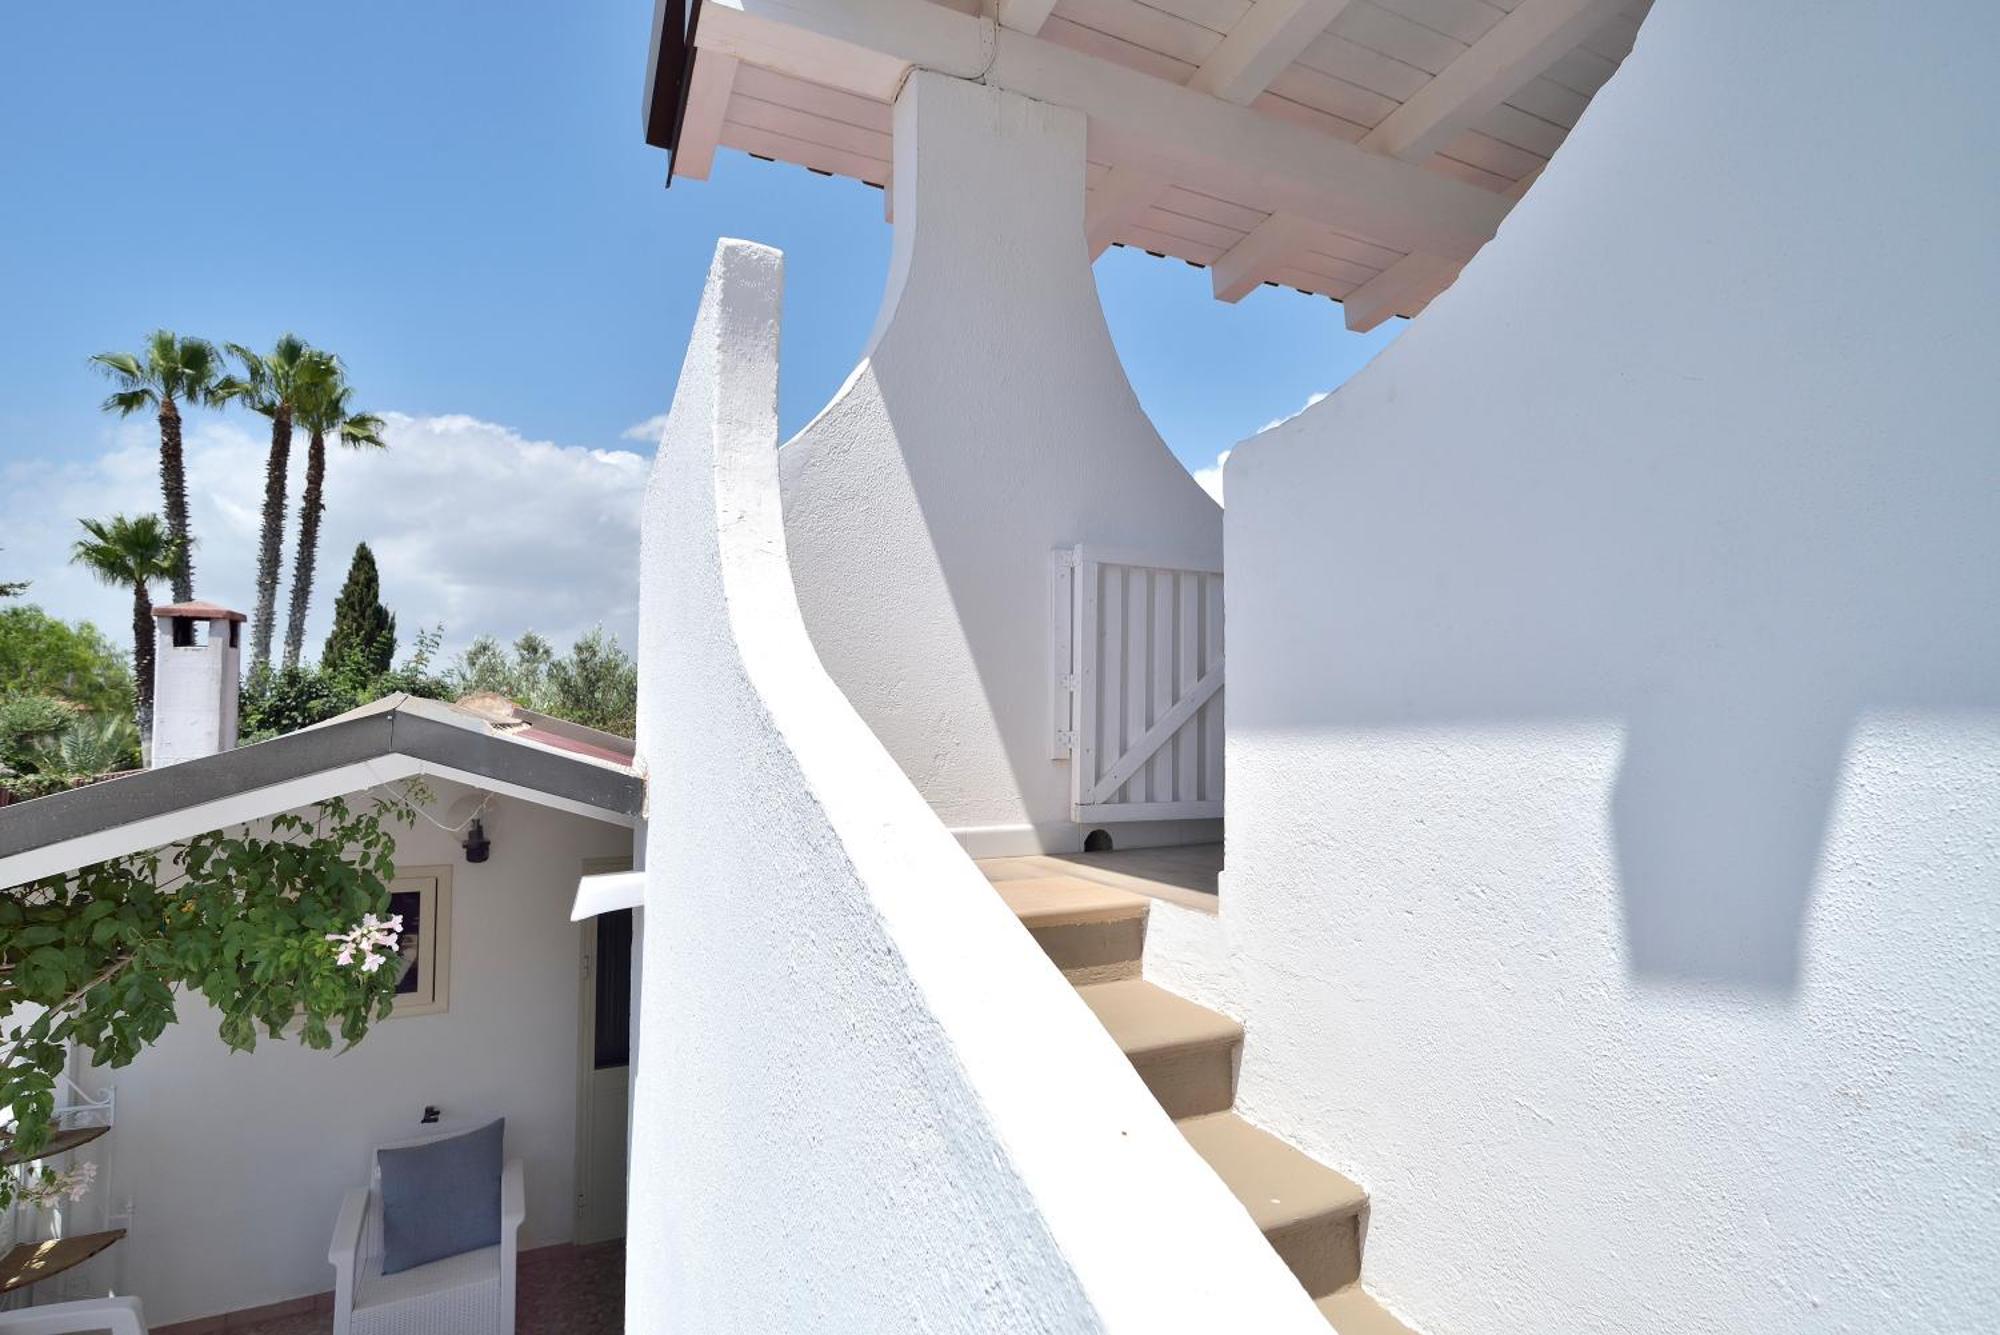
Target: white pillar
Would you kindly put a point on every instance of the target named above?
(989, 423)
(196, 671)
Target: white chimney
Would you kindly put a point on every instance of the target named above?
(195, 673)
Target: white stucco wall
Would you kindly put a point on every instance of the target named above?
(1614, 808)
(988, 424)
(234, 1164)
(865, 1101)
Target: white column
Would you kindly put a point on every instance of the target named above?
(989, 423)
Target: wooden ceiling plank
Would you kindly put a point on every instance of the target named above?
(1272, 243)
(1265, 40)
(1520, 47)
(1466, 20)
(1143, 25)
(1026, 16)
(804, 153)
(1301, 113)
(813, 128)
(1109, 46)
(770, 86)
(701, 121)
(1163, 130)
(1120, 200)
(1401, 289)
(1178, 247)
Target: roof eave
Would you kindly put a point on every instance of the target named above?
(55, 834)
(669, 71)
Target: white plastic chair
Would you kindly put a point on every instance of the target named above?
(468, 1294)
(120, 1316)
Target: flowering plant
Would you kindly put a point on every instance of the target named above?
(280, 927)
(48, 1187)
(374, 940)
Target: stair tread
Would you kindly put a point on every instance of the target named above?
(1350, 1311)
(1277, 1184)
(1145, 1019)
(1059, 901)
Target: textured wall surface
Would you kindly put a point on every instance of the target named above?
(989, 423)
(235, 1163)
(1614, 809)
(864, 1100)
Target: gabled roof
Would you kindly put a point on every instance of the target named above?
(530, 756)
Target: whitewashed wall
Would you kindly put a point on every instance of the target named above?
(989, 423)
(1614, 819)
(864, 1101)
(235, 1163)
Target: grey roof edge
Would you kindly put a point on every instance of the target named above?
(25, 826)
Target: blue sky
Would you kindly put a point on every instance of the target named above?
(456, 198)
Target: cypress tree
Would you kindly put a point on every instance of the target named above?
(363, 637)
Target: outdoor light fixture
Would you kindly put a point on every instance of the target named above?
(476, 844)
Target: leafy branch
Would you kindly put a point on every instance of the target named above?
(252, 923)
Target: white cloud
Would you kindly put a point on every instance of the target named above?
(1311, 399)
(647, 431)
(474, 526)
(1210, 478)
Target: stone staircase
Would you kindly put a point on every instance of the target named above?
(1187, 1055)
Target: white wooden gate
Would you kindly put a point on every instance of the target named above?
(1138, 685)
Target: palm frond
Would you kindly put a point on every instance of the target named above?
(128, 401)
(123, 367)
(363, 431)
(124, 552)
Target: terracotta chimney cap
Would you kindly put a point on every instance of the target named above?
(199, 611)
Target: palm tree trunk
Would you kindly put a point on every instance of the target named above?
(142, 661)
(173, 486)
(302, 568)
(271, 538)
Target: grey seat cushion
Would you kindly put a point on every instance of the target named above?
(440, 1199)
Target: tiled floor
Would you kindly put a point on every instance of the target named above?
(562, 1292)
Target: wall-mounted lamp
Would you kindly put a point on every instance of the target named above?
(477, 846)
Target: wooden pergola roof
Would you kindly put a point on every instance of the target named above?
(1358, 149)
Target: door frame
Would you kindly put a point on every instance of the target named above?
(586, 1044)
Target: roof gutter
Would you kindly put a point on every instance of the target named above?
(56, 834)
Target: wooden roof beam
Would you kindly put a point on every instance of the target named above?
(1404, 288)
(1026, 16)
(1515, 50)
(1268, 245)
(1269, 36)
(1159, 128)
(701, 124)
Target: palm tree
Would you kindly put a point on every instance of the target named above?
(323, 409)
(272, 385)
(131, 553)
(170, 371)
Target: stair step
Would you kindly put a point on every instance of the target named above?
(1093, 933)
(1310, 1214)
(1352, 1312)
(1185, 1053)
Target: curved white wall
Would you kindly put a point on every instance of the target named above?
(1614, 756)
(989, 423)
(864, 1100)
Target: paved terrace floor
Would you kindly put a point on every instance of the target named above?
(563, 1291)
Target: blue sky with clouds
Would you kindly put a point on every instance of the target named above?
(456, 198)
